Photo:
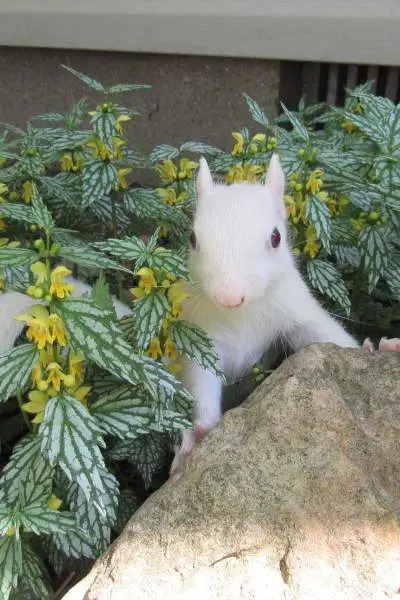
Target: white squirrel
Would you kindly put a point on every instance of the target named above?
(246, 290)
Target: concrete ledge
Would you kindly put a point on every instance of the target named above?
(361, 31)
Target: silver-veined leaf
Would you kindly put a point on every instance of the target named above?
(343, 232)
(170, 262)
(200, 148)
(76, 544)
(15, 369)
(120, 88)
(41, 213)
(392, 275)
(18, 212)
(71, 439)
(147, 204)
(41, 519)
(374, 252)
(98, 178)
(256, 111)
(17, 279)
(89, 81)
(163, 152)
(15, 257)
(298, 127)
(149, 313)
(34, 573)
(86, 257)
(194, 343)
(10, 564)
(147, 453)
(326, 279)
(317, 213)
(128, 248)
(104, 125)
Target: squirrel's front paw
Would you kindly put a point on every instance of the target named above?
(385, 345)
(187, 445)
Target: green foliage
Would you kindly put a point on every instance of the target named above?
(96, 393)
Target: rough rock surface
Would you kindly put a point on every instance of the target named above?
(294, 496)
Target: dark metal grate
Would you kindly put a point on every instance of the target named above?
(325, 82)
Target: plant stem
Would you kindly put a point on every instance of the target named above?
(23, 413)
(115, 234)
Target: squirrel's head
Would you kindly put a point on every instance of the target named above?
(239, 246)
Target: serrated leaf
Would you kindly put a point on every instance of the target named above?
(51, 117)
(326, 279)
(57, 559)
(71, 439)
(392, 275)
(89, 81)
(27, 471)
(169, 261)
(86, 257)
(147, 204)
(347, 256)
(149, 313)
(195, 344)
(98, 179)
(128, 248)
(15, 257)
(104, 125)
(35, 574)
(17, 279)
(75, 544)
(200, 148)
(120, 88)
(374, 252)
(18, 212)
(317, 213)
(41, 519)
(147, 453)
(10, 565)
(41, 214)
(163, 152)
(256, 111)
(15, 369)
(343, 232)
(298, 127)
(101, 294)
(128, 503)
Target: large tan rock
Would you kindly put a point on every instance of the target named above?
(294, 496)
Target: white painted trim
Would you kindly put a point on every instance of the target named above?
(355, 31)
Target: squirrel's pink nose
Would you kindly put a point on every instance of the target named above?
(229, 300)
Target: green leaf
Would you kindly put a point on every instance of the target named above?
(10, 565)
(147, 204)
(194, 343)
(51, 117)
(98, 179)
(317, 213)
(27, 473)
(343, 232)
(128, 504)
(18, 212)
(128, 248)
(41, 519)
(170, 262)
(298, 127)
(149, 313)
(76, 544)
(86, 257)
(120, 88)
(374, 252)
(325, 278)
(256, 111)
(101, 294)
(89, 81)
(200, 148)
(41, 214)
(15, 257)
(347, 256)
(147, 453)
(163, 152)
(34, 573)
(71, 439)
(104, 125)
(17, 279)
(15, 369)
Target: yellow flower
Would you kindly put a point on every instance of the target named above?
(314, 182)
(168, 195)
(122, 173)
(40, 270)
(54, 502)
(239, 146)
(66, 162)
(272, 143)
(170, 350)
(147, 279)
(174, 367)
(100, 150)
(58, 287)
(120, 120)
(312, 247)
(81, 393)
(176, 295)
(154, 349)
(186, 168)
(259, 137)
(349, 126)
(167, 170)
(36, 405)
(57, 330)
(55, 375)
(359, 109)
(38, 322)
(27, 191)
(247, 172)
(75, 365)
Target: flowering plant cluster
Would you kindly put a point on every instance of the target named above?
(96, 397)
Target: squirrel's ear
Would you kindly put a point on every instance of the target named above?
(204, 181)
(275, 180)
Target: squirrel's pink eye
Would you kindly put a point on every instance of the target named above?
(275, 238)
(193, 240)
